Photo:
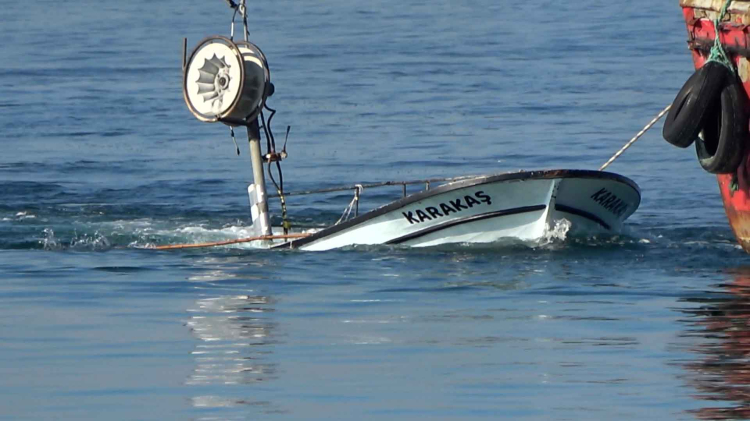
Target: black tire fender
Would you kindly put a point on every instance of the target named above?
(689, 108)
(723, 140)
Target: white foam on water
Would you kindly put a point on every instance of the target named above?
(148, 233)
(18, 216)
(556, 233)
(95, 241)
(193, 234)
(49, 241)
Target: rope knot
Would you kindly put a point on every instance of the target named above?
(717, 51)
(358, 189)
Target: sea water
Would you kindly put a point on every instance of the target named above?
(101, 159)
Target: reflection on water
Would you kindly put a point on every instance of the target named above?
(235, 342)
(722, 372)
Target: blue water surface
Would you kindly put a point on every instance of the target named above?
(101, 158)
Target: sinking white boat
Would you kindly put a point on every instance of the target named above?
(520, 205)
(229, 82)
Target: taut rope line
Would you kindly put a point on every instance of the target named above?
(636, 137)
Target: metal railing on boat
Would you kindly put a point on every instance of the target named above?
(403, 185)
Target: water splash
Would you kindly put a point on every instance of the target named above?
(95, 241)
(49, 241)
(557, 233)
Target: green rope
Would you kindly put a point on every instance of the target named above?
(717, 51)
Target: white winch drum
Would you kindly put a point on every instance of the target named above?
(226, 82)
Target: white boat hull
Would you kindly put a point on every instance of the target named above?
(487, 209)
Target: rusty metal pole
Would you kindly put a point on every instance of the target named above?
(256, 159)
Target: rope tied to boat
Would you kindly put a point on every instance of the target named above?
(358, 189)
(717, 53)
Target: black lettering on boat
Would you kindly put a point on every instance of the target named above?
(410, 217)
(422, 216)
(446, 209)
(457, 204)
(433, 211)
(470, 201)
(485, 198)
(614, 205)
(610, 202)
(443, 209)
(621, 210)
(596, 195)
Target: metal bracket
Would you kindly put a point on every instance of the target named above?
(274, 157)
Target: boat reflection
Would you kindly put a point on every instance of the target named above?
(234, 339)
(235, 343)
(722, 326)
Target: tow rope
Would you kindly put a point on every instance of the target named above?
(636, 137)
(229, 242)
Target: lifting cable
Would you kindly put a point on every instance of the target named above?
(271, 157)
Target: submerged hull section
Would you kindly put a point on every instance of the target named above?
(519, 205)
(735, 37)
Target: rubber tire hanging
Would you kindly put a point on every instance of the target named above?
(721, 147)
(690, 108)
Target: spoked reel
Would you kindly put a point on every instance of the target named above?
(226, 81)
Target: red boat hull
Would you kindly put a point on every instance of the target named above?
(735, 37)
